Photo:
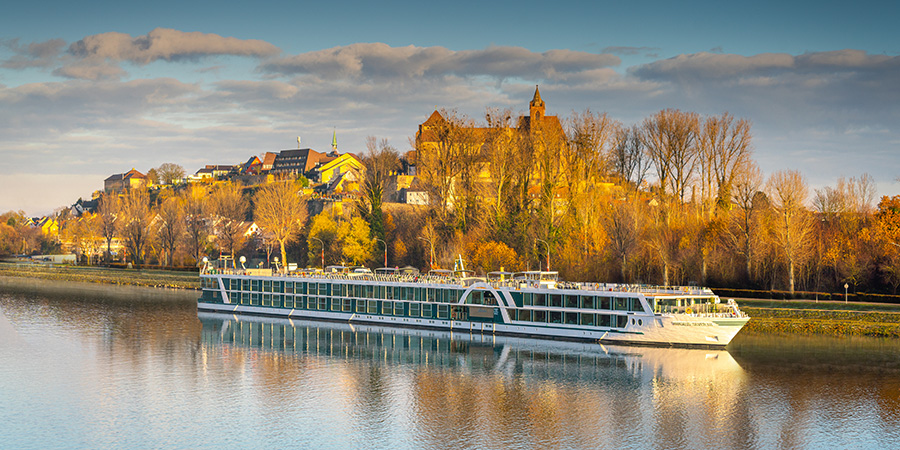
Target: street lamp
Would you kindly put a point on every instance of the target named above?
(548, 252)
(845, 293)
(323, 250)
(429, 241)
(385, 250)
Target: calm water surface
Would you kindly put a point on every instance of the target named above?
(104, 367)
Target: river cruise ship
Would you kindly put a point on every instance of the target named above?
(531, 304)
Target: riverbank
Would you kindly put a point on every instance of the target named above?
(768, 316)
(825, 318)
(103, 275)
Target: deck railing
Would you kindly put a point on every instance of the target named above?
(454, 281)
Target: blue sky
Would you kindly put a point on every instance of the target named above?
(94, 88)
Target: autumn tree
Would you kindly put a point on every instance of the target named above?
(322, 239)
(135, 223)
(170, 227)
(742, 235)
(356, 242)
(229, 212)
(725, 152)
(630, 163)
(791, 224)
(108, 211)
(281, 212)
(196, 226)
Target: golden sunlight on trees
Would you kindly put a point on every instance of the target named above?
(280, 211)
(228, 210)
(791, 223)
(136, 218)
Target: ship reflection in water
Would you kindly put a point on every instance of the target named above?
(447, 390)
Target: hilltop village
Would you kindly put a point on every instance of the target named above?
(674, 199)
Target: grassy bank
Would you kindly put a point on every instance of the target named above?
(151, 278)
(829, 318)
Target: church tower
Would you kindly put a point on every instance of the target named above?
(537, 108)
(334, 141)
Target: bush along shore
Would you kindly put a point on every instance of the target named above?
(132, 277)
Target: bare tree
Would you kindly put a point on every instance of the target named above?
(136, 220)
(629, 159)
(170, 226)
(792, 225)
(195, 220)
(281, 212)
(670, 137)
(229, 211)
(169, 173)
(743, 232)
(725, 151)
(381, 161)
(108, 210)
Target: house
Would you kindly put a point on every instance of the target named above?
(334, 168)
(252, 167)
(297, 162)
(120, 181)
(268, 161)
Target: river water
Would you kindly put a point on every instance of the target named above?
(89, 367)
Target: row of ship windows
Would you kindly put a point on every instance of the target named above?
(415, 309)
(422, 294)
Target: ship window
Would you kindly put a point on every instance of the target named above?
(313, 288)
(528, 299)
(245, 285)
(414, 310)
(540, 316)
(276, 300)
(235, 284)
(325, 289)
(490, 298)
(556, 301)
(517, 298)
(288, 301)
(571, 301)
(372, 306)
(540, 299)
(603, 302)
(636, 305)
(571, 318)
(398, 308)
(289, 287)
(335, 304)
(525, 315)
(426, 311)
(254, 298)
(396, 295)
(323, 303)
(586, 319)
(443, 311)
(278, 287)
(254, 285)
(476, 298)
(587, 302)
(348, 305)
(245, 298)
(300, 288)
(605, 320)
(387, 307)
(622, 321)
(621, 304)
(267, 286)
(555, 317)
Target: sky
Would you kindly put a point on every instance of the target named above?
(90, 89)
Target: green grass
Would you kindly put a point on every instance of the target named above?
(812, 304)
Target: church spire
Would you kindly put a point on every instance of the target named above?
(537, 106)
(334, 140)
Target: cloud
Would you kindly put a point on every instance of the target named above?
(167, 44)
(381, 61)
(711, 66)
(631, 51)
(35, 54)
